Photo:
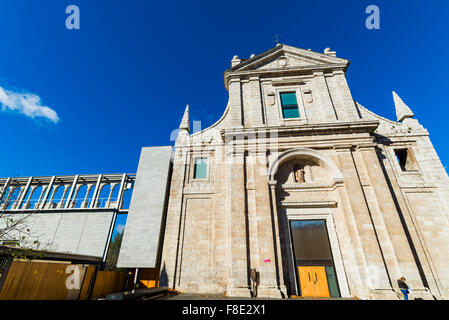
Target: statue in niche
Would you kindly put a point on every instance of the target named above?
(300, 175)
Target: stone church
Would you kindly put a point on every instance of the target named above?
(300, 190)
(297, 190)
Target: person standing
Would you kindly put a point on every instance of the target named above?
(403, 287)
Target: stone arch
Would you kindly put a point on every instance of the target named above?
(305, 153)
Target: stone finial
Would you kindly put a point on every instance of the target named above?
(252, 56)
(329, 52)
(235, 61)
(185, 122)
(402, 110)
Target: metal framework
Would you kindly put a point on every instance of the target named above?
(38, 193)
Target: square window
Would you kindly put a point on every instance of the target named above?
(200, 168)
(289, 105)
(405, 159)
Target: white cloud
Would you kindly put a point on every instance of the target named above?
(120, 228)
(27, 104)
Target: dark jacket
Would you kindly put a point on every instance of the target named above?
(402, 285)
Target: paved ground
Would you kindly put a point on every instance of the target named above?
(221, 297)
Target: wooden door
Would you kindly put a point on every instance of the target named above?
(305, 281)
(313, 282)
(320, 282)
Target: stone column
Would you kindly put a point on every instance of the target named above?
(23, 193)
(235, 103)
(53, 192)
(5, 187)
(61, 202)
(85, 203)
(427, 266)
(325, 104)
(43, 192)
(266, 237)
(72, 189)
(376, 276)
(170, 261)
(112, 187)
(27, 203)
(400, 261)
(236, 207)
(72, 203)
(257, 116)
(97, 191)
(350, 110)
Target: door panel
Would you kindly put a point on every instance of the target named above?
(305, 280)
(320, 282)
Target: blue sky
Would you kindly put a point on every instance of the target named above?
(122, 81)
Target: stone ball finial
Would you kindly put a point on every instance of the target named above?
(252, 56)
(235, 61)
(327, 50)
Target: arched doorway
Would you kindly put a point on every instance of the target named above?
(305, 181)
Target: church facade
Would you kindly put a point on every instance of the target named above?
(299, 190)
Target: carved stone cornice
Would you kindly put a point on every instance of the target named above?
(366, 146)
(343, 147)
(303, 130)
(229, 76)
(310, 204)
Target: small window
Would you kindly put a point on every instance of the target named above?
(289, 105)
(405, 159)
(200, 168)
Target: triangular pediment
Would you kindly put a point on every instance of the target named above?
(287, 57)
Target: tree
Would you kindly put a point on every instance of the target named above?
(113, 252)
(14, 231)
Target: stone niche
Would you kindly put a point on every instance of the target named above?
(303, 178)
(302, 170)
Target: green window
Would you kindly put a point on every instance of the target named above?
(289, 105)
(200, 168)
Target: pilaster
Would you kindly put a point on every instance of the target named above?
(257, 117)
(325, 102)
(235, 103)
(399, 261)
(374, 274)
(238, 268)
(266, 238)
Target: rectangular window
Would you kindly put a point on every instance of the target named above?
(289, 105)
(405, 159)
(200, 168)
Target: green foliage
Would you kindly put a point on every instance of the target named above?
(16, 252)
(113, 252)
